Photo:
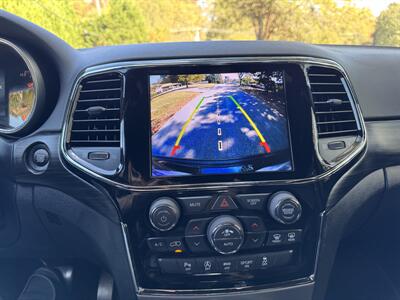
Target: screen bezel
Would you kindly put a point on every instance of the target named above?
(137, 126)
(211, 71)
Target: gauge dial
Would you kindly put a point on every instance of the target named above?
(18, 88)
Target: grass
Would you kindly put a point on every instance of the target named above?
(165, 106)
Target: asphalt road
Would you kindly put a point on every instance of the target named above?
(219, 129)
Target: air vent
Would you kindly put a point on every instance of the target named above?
(97, 116)
(333, 107)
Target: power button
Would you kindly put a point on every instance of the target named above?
(164, 214)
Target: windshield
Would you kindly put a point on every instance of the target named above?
(91, 23)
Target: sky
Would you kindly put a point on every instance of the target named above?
(376, 6)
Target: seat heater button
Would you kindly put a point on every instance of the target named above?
(252, 201)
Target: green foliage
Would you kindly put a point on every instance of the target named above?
(171, 20)
(120, 23)
(89, 23)
(58, 17)
(313, 21)
(192, 78)
(388, 27)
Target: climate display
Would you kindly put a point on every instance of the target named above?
(222, 123)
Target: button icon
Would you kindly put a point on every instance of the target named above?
(291, 236)
(187, 266)
(207, 265)
(288, 210)
(264, 261)
(277, 237)
(223, 202)
(254, 226)
(175, 244)
(227, 232)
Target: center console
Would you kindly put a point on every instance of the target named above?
(233, 238)
(217, 164)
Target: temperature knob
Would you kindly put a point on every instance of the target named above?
(225, 233)
(284, 208)
(164, 214)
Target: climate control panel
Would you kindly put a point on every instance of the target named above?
(225, 233)
(221, 235)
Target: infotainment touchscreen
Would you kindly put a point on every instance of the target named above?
(221, 123)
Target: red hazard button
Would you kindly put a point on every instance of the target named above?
(223, 202)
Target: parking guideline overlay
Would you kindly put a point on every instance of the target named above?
(263, 142)
(178, 140)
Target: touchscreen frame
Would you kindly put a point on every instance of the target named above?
(217, 71)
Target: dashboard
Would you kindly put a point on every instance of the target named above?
(194, 170)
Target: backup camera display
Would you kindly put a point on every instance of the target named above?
(223, 123)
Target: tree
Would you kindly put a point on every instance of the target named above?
(264, 17)
(388, 26)
(312, 21)
(171, 20)
(121, 22)
(187, 78)
(58, 17)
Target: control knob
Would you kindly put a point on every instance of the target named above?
(164, 214)
(225, 234)
(284, 208)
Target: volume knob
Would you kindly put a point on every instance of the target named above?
(284, 208)
(164, 214)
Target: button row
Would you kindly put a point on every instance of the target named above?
(199, 226)
(210, 265)
(284, 237)
(199, 243)
(198, 204)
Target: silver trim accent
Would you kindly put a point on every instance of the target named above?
(352, 152)
(124, 229)
(33, 69)
(229, 221)
(330, 168)
(276, 200)
(165, 202)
